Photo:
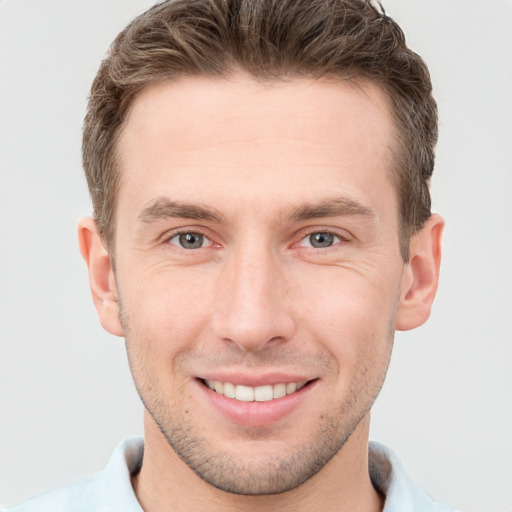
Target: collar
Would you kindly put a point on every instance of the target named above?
(111, 489)
(387, 474)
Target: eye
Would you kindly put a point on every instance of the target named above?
(320, 240)
(190, 240)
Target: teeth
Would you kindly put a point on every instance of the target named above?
(263, 393)
(250, 394)
(244, 393)
(279, 390)
(229, 390)
(291, 388)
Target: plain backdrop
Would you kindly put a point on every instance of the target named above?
(66, 393)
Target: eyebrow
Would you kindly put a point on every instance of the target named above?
(337, 207)
(164, 208)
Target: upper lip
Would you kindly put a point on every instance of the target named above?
(255, 380)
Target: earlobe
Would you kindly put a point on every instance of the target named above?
(101, 275)
(421, 276)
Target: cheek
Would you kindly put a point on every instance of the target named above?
(163, 312)
(161, 323)
(352, 316)
(345, 297)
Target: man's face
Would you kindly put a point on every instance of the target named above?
(257, 252)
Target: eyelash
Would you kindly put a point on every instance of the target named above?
(170, 236)
(304, 236)
(342, 236)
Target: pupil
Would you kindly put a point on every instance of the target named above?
(321, 239)
(191, 240)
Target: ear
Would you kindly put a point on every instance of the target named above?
(421, 275)
(101, 275)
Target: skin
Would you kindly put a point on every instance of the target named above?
(256, 170)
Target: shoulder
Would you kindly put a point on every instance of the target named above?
(76, 497)
(401, 493)
(107, 491)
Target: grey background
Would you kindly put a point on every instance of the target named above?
(66, 393)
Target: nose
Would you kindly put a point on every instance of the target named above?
(253, 306)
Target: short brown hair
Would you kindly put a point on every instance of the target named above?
(268, 40)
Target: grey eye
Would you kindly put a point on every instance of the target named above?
(189, 240)
(321, 240)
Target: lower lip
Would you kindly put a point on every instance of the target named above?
(256, 414)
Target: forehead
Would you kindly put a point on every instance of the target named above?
(259, 104)
(292, 135)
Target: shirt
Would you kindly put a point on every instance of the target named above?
(111, 489)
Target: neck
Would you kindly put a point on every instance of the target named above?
(165, 482)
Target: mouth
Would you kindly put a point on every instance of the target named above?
(265, 393)
(269, 402)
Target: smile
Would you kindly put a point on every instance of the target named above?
(254, 394)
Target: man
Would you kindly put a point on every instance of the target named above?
(259, 173)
